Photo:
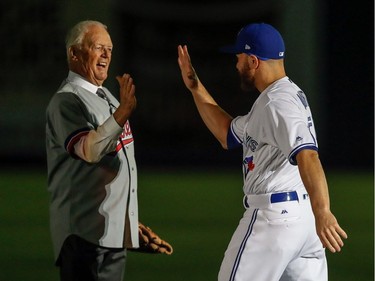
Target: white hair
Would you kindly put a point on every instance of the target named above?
(76, 35)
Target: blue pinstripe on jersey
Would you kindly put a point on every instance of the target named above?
(243, 244)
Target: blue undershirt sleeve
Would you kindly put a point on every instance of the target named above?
(232, 140)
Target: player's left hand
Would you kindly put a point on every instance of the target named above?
(329, 231)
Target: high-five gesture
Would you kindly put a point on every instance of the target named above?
(215, 118)
(128, 101)
(187, 71)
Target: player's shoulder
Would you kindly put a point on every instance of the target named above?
(283, 94)
(284, 85)
(283, 89)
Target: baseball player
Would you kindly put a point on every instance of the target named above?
(92, 173)
(287, 221)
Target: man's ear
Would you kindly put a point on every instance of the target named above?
(73, 53)
(253, 61)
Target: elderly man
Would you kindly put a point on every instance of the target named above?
(92, 174)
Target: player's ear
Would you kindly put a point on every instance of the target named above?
(253, 61)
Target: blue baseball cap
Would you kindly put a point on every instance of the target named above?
(259, 39)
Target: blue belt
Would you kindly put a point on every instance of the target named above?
(263, 200)
(284, 196)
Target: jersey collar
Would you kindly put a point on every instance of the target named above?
(78, 80)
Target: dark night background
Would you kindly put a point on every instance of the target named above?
(329, 54)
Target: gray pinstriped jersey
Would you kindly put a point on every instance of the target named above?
(89, 200)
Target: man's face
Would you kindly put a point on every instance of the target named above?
(93, 56)
(245, 73)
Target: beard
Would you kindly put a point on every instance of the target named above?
(247, 82)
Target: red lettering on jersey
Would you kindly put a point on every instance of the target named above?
(126, 137)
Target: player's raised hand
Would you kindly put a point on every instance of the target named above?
(128, 101)
(187, 71)
(330, 232)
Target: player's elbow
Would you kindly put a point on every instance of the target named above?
(224, 144)
(223, 141)
(222, 137)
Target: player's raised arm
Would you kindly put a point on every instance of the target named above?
(215, 118)
(312, 174)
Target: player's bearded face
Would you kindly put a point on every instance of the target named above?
(247, 78)
(245, 73)
(95, 56)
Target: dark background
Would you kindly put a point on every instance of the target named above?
(329, 54)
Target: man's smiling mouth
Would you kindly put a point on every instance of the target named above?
(102, 64)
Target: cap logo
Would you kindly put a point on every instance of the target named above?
(281, 54)
(247, 47)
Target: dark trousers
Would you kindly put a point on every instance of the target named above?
(81, 260)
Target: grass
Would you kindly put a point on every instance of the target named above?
(195, 211)
(352, 201)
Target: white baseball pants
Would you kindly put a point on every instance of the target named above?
(275, 241)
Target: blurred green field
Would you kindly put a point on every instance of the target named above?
(195, 211)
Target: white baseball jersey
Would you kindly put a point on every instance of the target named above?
(89, 199)
(276, 238)
(278, 126)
